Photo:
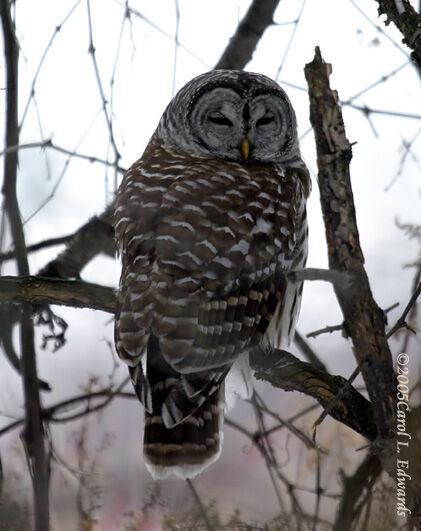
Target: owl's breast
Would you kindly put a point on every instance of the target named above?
(225, 221)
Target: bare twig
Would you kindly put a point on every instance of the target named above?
(339, 327)
(49, 413)
(308, 352)
(291, 38)
(353, 487)
(325, 330)
(108, 118)
(57, 30)
(48, 144)
(343, 279)
(413, 311)
(199, 502)
(401, 322)
(337, 398)
(132, 11)
(51, 242)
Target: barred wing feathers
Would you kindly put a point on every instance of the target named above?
(204, 244)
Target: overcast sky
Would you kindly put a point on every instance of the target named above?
(147, 67)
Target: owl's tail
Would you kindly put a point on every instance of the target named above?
(184, 416)
(189, 447)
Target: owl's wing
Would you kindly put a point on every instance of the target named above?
(226, 236)
(204, 248)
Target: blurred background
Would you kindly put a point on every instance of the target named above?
(131, 57)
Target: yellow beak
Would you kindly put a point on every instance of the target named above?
(245, 148)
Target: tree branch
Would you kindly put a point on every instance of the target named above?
(283, 370)
(408, 22)
(364, 320)
(247, 35)
(51, 242)
(353, 487)
(97, 234)
(94, 237)
(33, 434)
(280, 368)
(308, 352)
(401, 322)
(75, 293)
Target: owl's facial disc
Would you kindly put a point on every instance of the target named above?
(221, 120)
(216, 122)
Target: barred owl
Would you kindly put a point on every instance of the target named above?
(208, 221)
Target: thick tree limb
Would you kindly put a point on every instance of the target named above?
(247, 35)
(280, 368)
(364, 320)
(94, 237)
(408, 22)
(283, 370)
(75, 293)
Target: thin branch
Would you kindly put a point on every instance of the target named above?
(362, 108)
(51, 242)
(369, 110)
(57, 30)
(291, 38)
(308, 352)
(33, 432)
(108, 118)
(381, 80)
(48, 413)
(413, 312)
(132, 11)
(401, 322)
(325, 330)
(6, 341)
(48, 144)
(342, 392)
(345, 279)
(379, 28)
(341, 327)
(353, 487)
(199, 502)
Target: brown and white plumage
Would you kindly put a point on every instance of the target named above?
(207, 224)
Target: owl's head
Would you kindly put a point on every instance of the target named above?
(234, 115)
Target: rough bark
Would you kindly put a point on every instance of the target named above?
(408, 22)
(280, 368)
(364, 320)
